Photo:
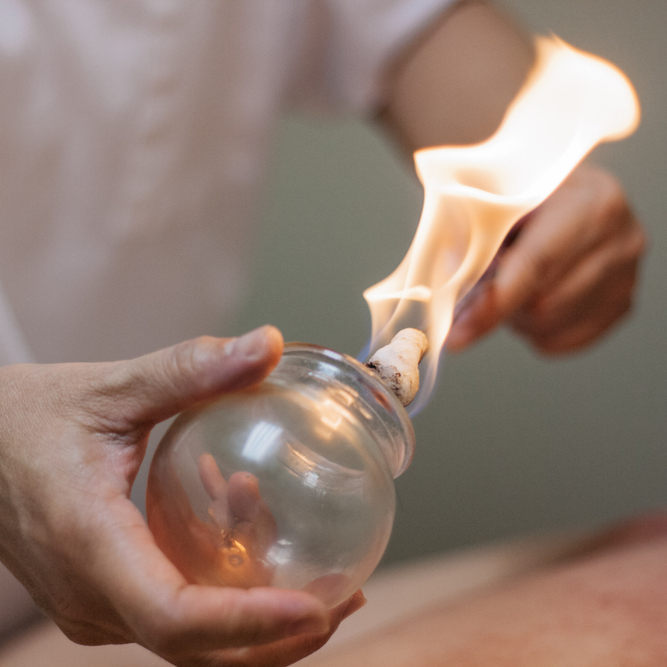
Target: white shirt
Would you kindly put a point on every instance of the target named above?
(132, 138)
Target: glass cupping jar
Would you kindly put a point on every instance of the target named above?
(288, 484)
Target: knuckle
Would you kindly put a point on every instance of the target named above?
(611, 198)
(539, 318)
(545, 347)
(189, 356)
(538, 264)
(536, 318)
(204, 345)
(534, 267)
(182, 360)
(638, 242)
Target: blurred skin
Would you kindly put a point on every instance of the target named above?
(239, 512)
(601, 606)
(228, 546)
(72, 437)
(571, 272)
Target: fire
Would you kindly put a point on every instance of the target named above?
(473, 195)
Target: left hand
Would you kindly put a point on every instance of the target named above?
(72, 437)
(569, 276)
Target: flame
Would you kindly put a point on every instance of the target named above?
(473, 195)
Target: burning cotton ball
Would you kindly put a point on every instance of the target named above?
(397, 364)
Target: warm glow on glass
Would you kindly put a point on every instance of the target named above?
(473, 195)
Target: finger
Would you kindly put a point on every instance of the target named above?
(168, 615)
(286, 651)
(605, 278)
(581, 333)
(163, 383)
(329, 586)
(586, 302)
(205, 618)
(544, 252)
(476, 314)
(290, 650)
(244, 498)
(216, 487)
(479, 316)
(212, 480)
(586, 211)
(540, 250)
(254, 522)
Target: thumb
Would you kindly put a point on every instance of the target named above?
(163, 383)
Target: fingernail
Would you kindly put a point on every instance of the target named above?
(251, 346)
(357, 601)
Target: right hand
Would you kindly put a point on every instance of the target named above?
(72, 437)
(570, 274)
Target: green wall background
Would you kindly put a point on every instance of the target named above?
(511, 443)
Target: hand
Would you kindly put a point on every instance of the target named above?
(243, 531)
(569, 275)
(227, 543)
(598, 601)
(243, 527)
(72, 437)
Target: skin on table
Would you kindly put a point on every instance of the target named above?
(599, 602)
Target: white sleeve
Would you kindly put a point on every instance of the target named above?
(345, 46)
(13, 347)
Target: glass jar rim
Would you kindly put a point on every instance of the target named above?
(399, 457)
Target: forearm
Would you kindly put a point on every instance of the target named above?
(72, 437)
(454, 84)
